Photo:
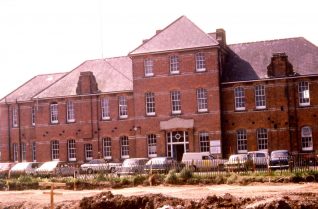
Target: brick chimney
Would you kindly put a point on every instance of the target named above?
(280, 66)
(221, 36)
(86, 83)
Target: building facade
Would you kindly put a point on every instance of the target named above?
(181, 90)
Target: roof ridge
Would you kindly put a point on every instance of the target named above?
(50, 74)
(270, 40)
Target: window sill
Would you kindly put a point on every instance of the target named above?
(151, 114)
(71, 121)
(176, 112)
(106, 118)
(307, 149)
(108, 158)
(304, 105)
(72, 159)
(203, 110)
(260, 109)
(149, 75)
(123, 117)
(54, 122)
(125, 156)
(174, 72)
(152, 155)
(200, 70)
(89, 158)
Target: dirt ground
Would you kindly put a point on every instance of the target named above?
(258, 195)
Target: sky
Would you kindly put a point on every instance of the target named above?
(52, 36)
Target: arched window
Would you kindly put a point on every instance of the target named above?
(241, 138)
(306, 138)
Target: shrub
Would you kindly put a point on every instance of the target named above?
(232, 179)
(137, 180)
(171, 178)
(186, 174)
(100, 177)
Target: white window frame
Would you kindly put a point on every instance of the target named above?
(14, 117)
(262, 139)
(55, 150)
(260, 97)
(124, 147)
(306, 138)
(204, 140)
(200, 62)
(70, 112)
(174, 64)
(239, 98)
(23, 152)
(123, 109)
(107, 148)
(150, 104)
(33, 116)
(54, 113)
(88, 149)
(202, 100)
(304, 93)
(15, 152)
(241, 138)
(175, 102)
(152, 145)
(33, 151)
(105, 108)
(148, 67)
(71, 150)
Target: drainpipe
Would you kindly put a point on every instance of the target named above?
(20, 137)
(98, 128)
(9, 132)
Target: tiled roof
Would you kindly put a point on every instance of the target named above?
(181, 34)
(32, 87)
(112, 75)
(249, 61)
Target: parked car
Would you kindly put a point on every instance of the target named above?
(260, 159)
(202, 161)
(99, 165)
(24, 168)
(57, 168)
(280, 159)
(5, 168)
(132, 166)
(162, 165)
(238, 162)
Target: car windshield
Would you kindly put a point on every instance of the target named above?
(279, 154)
(130, 162)
(20, 166)
(4, 166)
(48, 166)
(157, 160)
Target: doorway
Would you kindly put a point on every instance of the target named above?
(177, 144)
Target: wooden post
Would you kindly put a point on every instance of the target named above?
(52, 193)
(52, 196)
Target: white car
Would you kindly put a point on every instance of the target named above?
(99, 165)
(24, 168)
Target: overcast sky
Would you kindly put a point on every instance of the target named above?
(50, 36)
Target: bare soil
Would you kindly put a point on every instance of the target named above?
(258, 195)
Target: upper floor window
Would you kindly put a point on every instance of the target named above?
(202, 100)
(71, 150)
(105, 109)
(262, 139)
(148, 66)
(88, 149)
(107, 148)
(70, 112)
(239, 98)
(23, 151)
(204, 142)
(54, 113)
(15, 152)
(33, 116)
(241, 138)
(176, 102)
(303, 92)
(15, 117)
(152, 145)
(200, 62)
(174, 64)
(124, 147)
(260, 98)
(150, 104)
(34, 151)
(123, 110)
(55, 150)
(306, 139)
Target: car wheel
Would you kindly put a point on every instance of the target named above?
(89, 171)
(112, 170)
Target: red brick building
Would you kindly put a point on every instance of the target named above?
(181, 90)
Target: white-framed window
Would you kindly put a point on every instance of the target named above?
(152, 145)
(105, 108)
(70, 112)
(54, 113)
(202, 100)
(23, 151)
(303, 92)
(107, 148)
(150, 103)
(260, 97)
(241, 138)
(55, 150)
(123, 109)
(34, 151)
(176, 102)
(124, 147)
(200, 62)
(239, 98)
(14, 117)
(306, 139)
(88, 149)
(148, 66)
(262, 139)
(174, 64)
(15, 152)
(33, 116)
(204, 142)
(71, 147)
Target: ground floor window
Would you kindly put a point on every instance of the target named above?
(88, 148)
(152, 145)
(124, 148)
(15, 152)
(33, 151)
(204, 142)
(23, 152)
(55, 150)
(241, 138)
(107, 148)
(262, 139)
(71, 150)
(306, 139)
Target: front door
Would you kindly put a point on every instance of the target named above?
(177, 144)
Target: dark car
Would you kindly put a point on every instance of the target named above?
(280, 159)
(162, 165)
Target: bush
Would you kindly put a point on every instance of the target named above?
(137, 180)
(171, 178)
(100, 177)
(186, 174)
(232, 179)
